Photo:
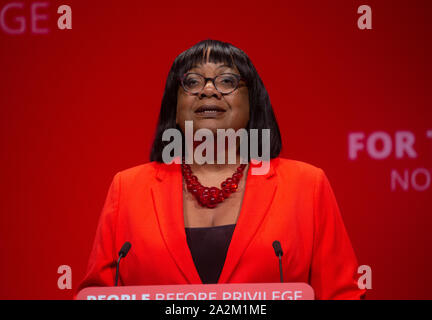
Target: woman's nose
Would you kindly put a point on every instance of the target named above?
(209, 90)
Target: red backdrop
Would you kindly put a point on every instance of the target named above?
(76, 106)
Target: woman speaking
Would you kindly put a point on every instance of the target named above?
(193, 222)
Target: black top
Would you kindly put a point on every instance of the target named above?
(209, 247)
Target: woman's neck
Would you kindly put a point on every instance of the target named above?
(208, 168)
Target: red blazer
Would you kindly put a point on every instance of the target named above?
(292, 203)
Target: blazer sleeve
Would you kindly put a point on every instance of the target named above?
(333, 273)
(103, 256)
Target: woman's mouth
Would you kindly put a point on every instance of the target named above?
(209, 111)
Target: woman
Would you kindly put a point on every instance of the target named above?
(215, 223)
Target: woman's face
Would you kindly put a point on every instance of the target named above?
(233, 108)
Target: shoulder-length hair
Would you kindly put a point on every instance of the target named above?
(261, 115)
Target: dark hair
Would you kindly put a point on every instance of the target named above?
(261, 114)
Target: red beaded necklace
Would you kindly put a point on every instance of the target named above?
(210, 196)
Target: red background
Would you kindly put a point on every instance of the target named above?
(76, 106)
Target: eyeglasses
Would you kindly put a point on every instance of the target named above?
(225, 83)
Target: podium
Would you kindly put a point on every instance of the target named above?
(236, 291)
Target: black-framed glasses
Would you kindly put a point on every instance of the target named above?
(225, 83)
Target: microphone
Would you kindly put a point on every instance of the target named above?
(122, 253)
(279, 253)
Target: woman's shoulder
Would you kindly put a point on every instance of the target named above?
(296, 169)
(287, 164)
(142, 171)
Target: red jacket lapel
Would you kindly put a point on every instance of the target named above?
(257, 198)
(168, 202)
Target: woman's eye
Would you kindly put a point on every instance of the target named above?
(191, 82)
(227, 80)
